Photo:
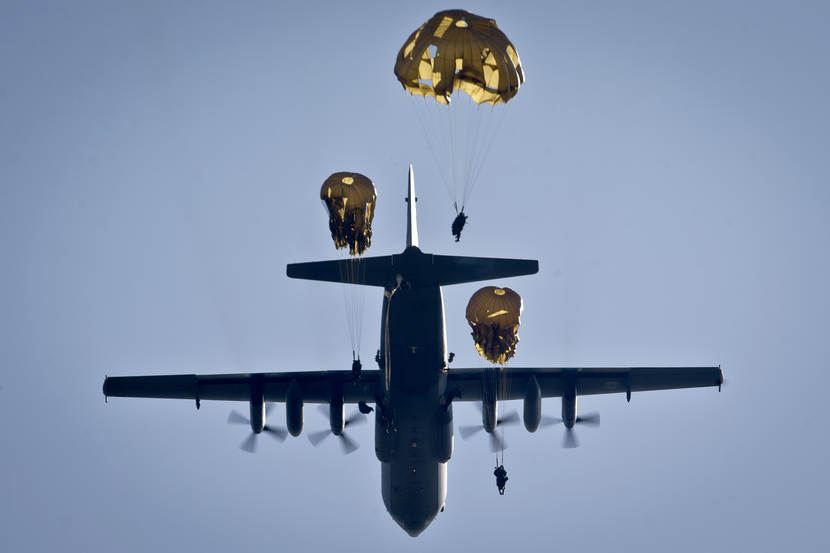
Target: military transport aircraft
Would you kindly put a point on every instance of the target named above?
(414, 389)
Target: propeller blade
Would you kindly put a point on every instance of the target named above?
(355, 418)
(591, 419)
(549, 421)
(510, 418)
(347, 444)
(467, 431)
(279, 433)
(570, 440)
(316, 437)
(249, 444)
(235, 417)
(496, 443)
(324, 409)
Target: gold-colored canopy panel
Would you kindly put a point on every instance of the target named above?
(493, 314)
(350, 200)
(458, 50)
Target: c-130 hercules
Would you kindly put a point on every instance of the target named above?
(415, 390)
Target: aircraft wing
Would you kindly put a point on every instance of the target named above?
(514, 383)
(511, 382)
(315, 386)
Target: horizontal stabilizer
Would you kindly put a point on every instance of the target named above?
(457, 270)
(414, 267)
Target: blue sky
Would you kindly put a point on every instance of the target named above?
(160, 164)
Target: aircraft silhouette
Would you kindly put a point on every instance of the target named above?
(414, 390)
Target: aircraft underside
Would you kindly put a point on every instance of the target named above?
(414, 389)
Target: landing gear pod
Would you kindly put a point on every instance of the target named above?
(386, 439)
(442, 435)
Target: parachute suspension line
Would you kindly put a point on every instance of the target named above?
(502, 394)
(478, 151)
(459, 137)
(452, 134)
(497, 121)
(485, 141)
(472, 156)
(352, 269)
(421, 114)
(493, 129)
(359, 293)
(347, 301)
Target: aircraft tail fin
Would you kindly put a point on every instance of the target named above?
(411, 214)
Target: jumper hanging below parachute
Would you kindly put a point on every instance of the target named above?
(501, 478)
(493, 314)
(456, 50)
(458, 225)
(350, 201)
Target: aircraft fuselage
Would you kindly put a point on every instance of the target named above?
(413, 429)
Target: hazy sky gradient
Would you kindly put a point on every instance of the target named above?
(159, 165)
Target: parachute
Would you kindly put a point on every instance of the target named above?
(493, 313)
(457, 50)
(350, 201)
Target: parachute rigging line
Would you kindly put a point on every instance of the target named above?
(460, 138)
(353, 270)
(421, 115)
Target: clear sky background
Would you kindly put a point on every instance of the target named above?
(666, 162)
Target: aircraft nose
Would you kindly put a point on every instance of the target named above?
(414, 526)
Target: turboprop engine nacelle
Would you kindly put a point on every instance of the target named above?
(569, 410)
(489, 398)
(336, 420)
(257, 405)
(532, 405)
(257, 414)
(294, 409)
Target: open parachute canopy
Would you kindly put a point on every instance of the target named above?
(350, 201)
(458, 50)
(493, 313)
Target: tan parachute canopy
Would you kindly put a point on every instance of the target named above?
(350, 200)
(493, 314)
(458, 50)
